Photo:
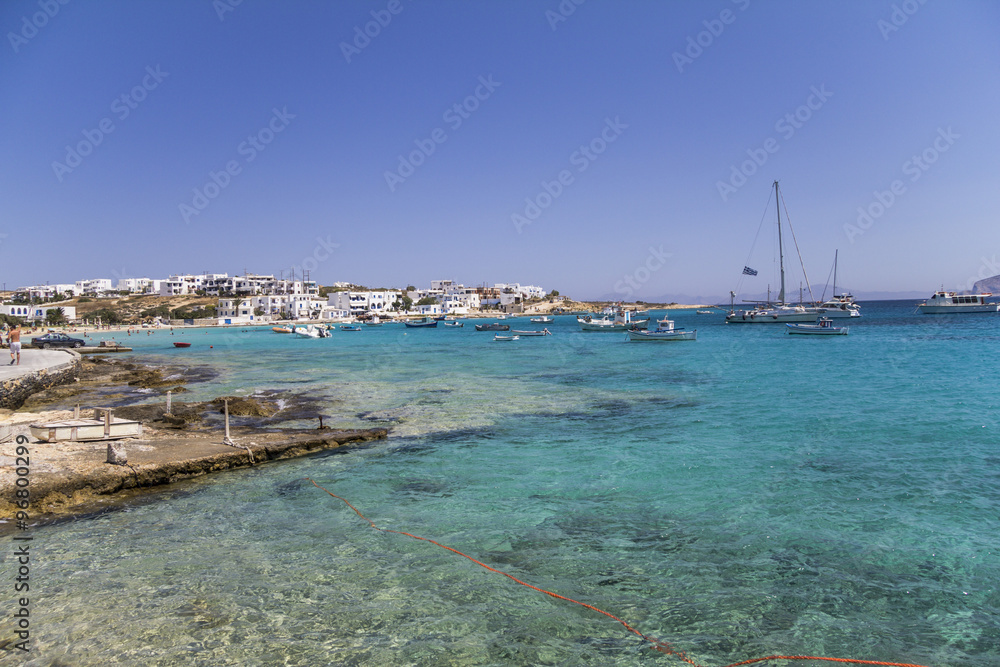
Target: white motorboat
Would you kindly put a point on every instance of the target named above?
(544, 319)
(664, 331)
(823, 327)
(543, 332)
(498, 338)
(942, 303)
(311, 331)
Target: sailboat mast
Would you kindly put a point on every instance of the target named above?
(835, 252)
(781, 249)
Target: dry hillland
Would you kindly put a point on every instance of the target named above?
(136, 308)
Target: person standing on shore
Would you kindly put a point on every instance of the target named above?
(15, 345)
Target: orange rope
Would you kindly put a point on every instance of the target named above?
(661, 646)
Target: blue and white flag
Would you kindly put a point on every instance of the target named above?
(747, 271)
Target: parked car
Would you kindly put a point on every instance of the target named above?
(45, 341)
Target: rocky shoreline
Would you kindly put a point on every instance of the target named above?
(72, 479)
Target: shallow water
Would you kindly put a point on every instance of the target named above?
(750, 493)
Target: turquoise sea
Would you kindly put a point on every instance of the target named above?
(747, 494)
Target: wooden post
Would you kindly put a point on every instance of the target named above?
(76, 411)
(227, 440)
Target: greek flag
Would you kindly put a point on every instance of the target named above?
(747, 271)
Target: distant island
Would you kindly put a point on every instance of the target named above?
(991, 285)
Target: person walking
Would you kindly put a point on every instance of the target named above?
(15, 345)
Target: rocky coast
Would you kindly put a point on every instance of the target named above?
(75, 478)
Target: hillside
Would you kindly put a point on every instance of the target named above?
(991, 285)
(131, 307)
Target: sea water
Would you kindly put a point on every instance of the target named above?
(747, 494)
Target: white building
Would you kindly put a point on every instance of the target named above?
(139, 285)
(46, 292)
(363, 303)
(190, 283)
(92, 287)
(35, 313)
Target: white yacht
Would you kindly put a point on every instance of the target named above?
(942, 302)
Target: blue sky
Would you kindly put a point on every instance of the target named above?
(604, 148)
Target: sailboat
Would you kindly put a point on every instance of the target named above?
(782, 312)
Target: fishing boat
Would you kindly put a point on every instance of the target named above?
(454, 325)
(664, 331)
(423, 322)
(182, 344)
(543, 332)
(823, 327)
(544, 319)
(281, 329)
(499, 338)
(942, 303)
(83, 430)
(495, 326)
(781, 311)
(350, 327)
(374, 322)
(622, 322)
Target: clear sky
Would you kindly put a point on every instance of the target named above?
(621, 148)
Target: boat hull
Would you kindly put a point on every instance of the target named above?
(422, 325)
(816, 330)
(661, 336)
(781, 316)
(958, 310)
(492, 327)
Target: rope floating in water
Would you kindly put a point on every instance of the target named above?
(657, 645)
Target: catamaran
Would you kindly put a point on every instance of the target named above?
(781, 311)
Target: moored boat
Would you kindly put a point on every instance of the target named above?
(543, 332)
(281, 329)
(495, 326)
(544, 319)
(350, 327)
(823, 327)
(424, 322)
(178, 344)
(664, 331)
(454, 325)
(942, 303)
(500, 338)
(622, 322)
